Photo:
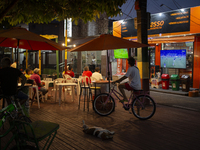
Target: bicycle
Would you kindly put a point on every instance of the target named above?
(13, 111)
(142, 104)
(25, 131)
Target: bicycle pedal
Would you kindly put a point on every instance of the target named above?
(125, 108)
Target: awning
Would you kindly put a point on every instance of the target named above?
(177, 39)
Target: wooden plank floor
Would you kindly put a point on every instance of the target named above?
(159, 132)
(70, 134)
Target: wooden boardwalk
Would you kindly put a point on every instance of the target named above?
(130, 133)
(71, 135)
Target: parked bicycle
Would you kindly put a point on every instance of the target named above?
(14, 110)
(23, 130)
(10, 113)
(141, 103)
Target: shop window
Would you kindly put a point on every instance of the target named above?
(188, 46)
(91, 59)
(72, 60)
(152, 55)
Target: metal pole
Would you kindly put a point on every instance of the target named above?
(40, 64)
(65, 51)
(108, 70)
(17, 54)
(57, 60)
(26, 59)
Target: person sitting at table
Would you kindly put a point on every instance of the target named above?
(37, 80)
(9, 77)
(134, 79)
(28, 73)
(70, 72)
(87, 73)
(14, 64)
(97, 75)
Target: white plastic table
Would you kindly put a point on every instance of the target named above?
(60, 85)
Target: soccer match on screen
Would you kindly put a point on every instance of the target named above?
(173, 58)
(121, 53)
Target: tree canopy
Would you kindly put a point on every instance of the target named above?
(44, 11)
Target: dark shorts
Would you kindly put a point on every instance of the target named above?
(128, 87)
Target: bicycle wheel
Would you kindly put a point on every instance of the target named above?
(143, 107)
(102, 108)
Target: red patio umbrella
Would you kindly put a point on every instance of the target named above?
(18, 37)
(106, 42)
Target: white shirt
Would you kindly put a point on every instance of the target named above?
(134, 77)
(97, 76)
(93, 61)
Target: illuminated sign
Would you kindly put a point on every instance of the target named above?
(168, 22)
(127, 28)
(69, 27)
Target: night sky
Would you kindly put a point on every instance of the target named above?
(153, 6)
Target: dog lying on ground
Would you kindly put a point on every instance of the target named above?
(104, 134)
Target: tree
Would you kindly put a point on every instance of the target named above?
(44, 11)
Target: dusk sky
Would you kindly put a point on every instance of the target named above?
(153, 6)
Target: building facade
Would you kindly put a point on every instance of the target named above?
(173, 30)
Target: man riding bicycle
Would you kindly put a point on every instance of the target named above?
(134, 79)
(9, 80)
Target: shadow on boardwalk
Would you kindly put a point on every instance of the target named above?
(159, 132)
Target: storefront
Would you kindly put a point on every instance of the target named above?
(172, 31)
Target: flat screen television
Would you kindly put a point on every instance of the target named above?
(121, 53)
(173, 58)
